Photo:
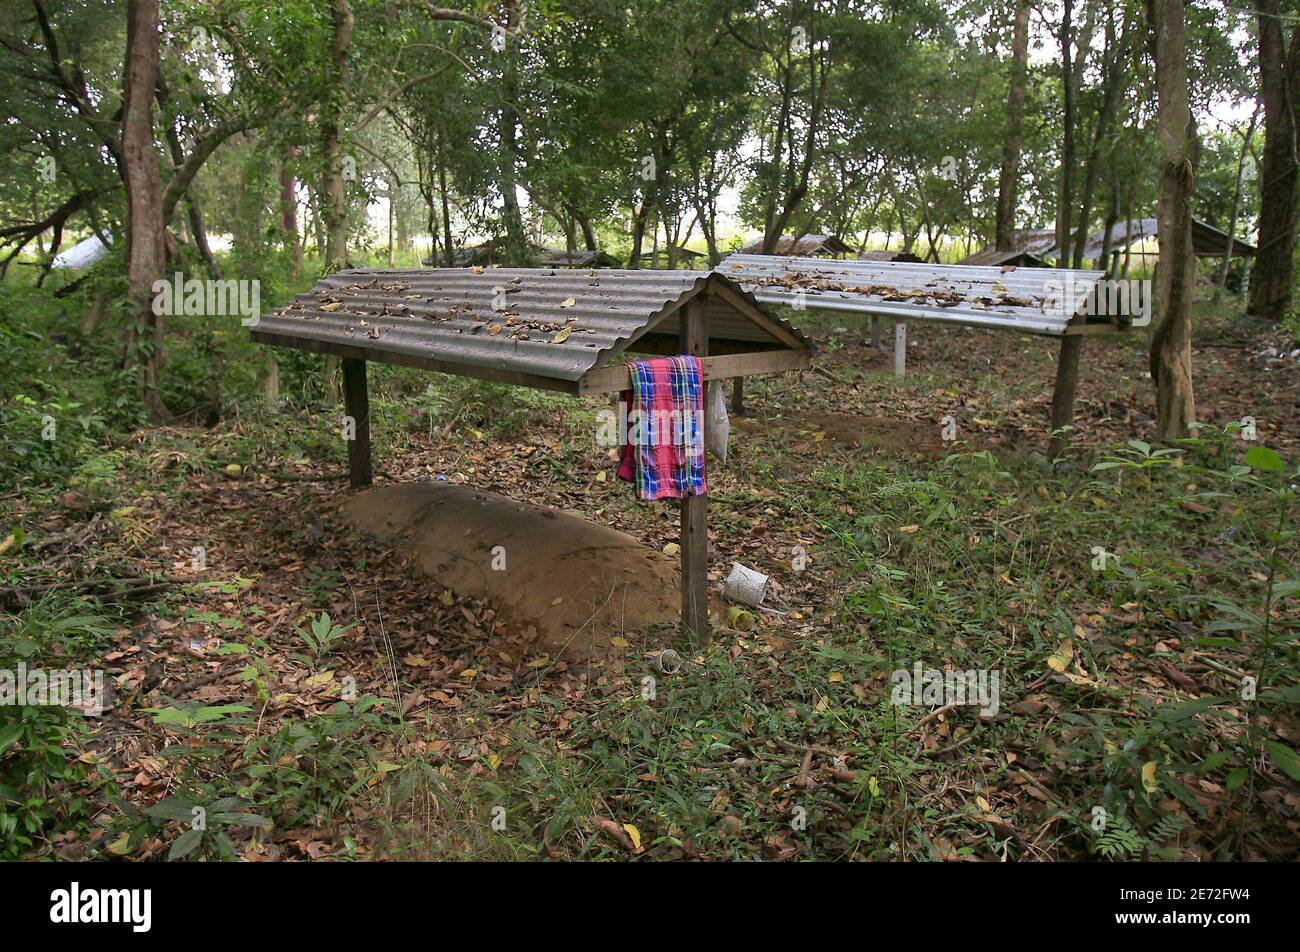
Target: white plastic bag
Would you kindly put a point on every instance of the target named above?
(717, 425)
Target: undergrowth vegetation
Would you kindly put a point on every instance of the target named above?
(274, 694)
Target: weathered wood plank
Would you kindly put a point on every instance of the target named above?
(722, 367)
(694, 538)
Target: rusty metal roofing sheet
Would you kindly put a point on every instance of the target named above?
(535, 326)
(1029, 300)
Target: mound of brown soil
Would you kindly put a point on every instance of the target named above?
(577, 584)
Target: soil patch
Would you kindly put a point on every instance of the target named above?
(562, 581)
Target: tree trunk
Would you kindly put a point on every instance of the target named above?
(146, 247)
(508, 135)
(588, 232)
(1171, 344)
(1009, 179)
(335, 206)
(201, 237)
(1108, 228)
(392, 213)
(446, 206)
(570, 224)
(1063, 395)
(1279, 92)
(1236, 197)
(1099, 152)
(638, 233)
(1065, 199)
(193, 212)
(289, 209)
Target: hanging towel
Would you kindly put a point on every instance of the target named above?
(664, 452)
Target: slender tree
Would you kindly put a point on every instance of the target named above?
(1279, 93)
(1171, 345)
(1009, 177)
(146, 249)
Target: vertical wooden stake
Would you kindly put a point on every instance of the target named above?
(738, 396)
(356, 404)
(900, 349)
(875, 332)
(694, 540)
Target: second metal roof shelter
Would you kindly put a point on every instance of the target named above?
(826, 246)
(992, 257)
(1207, 241)
(1050, 302)
(549, 329)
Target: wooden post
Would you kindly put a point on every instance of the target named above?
(738, 396)
(875, 331)
(356, 404)
(694, 540)
(900, 349)
(1067, 382)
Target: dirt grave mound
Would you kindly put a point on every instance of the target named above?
(575, 583)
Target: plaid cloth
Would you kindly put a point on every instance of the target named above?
(664, 452)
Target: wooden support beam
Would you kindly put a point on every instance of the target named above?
(875, 331)
(722, 367)
(738, 396)
(356, 404)
(694, 539)
(900, 349)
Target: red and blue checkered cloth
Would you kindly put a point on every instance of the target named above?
(664, 452)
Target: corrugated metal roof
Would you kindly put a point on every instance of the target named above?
(807, 245)
(889, 256)
(1029, 300)
(991, 257)
(1037, 241)
(662, 254)
(559, 258)
(532, 326)
(1207, 241)
(84, 253)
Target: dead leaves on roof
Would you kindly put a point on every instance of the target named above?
(501, 317)
(933, 296)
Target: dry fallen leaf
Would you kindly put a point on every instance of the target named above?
(635, 834)
(1060, 659)
(1149, 782)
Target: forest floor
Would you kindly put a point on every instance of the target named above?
(411, 723)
